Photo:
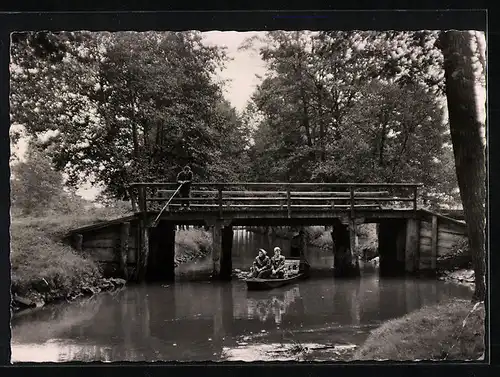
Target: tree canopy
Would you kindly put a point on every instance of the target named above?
(121, 107)
(352, 107)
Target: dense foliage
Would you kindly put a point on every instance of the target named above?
(116, 108)
(37, 189)
(355, 106)
(352, 107)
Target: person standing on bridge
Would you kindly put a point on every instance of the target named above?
(184, 179)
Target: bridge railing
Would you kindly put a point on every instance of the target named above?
(289, 197)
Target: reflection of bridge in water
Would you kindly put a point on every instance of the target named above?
(410, 239)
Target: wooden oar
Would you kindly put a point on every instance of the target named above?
(156, 221)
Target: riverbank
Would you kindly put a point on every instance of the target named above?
(45, 269)
(452, 330)
(460, 276)
(191, 245)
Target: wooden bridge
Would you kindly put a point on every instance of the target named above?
(247, 201)
(136, 244)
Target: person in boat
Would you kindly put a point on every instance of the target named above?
(261, 265)
(277, 264)
(184, 178)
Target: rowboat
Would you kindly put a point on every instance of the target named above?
(295, 270)
(255, 284)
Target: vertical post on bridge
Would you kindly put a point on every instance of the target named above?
(143, 250)
(288, 201)
(351, 195)
(124, 246)
(226, 265)
(219, 197)
(161, 264)
(415, 196)
(352, 229)
(216, 248)
(77, 242)
(143, 254)
(141, 191)
(412, 245)
(345, 263)
(222, 242)
(133, 200)
(434, 242)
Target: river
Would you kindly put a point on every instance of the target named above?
(317, 319)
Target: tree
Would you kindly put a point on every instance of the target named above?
(37, 189)
(468, 144)
(344, 107)
(395, 134)
(129, 106)
(46, 76)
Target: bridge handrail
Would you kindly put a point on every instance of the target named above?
(285, 184)
(285, 198)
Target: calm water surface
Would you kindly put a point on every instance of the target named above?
(198, 321)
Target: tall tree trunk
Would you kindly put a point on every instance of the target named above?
(468, 146)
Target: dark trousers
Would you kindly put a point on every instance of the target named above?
(185, 193)
(264, 274)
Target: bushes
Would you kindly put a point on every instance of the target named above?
(319, 237)
(190, 244)
(314, 232)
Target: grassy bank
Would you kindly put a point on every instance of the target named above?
(452, 330)
(191, 244)
(45, 269)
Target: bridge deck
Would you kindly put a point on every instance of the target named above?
(263, 217)
(304, 216)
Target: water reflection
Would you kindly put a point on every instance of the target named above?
(198, 320)
(265, 305)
